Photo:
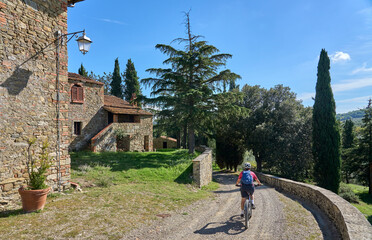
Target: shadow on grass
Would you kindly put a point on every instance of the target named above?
(10, 213)
(185, 176)
(123, 161)
(365, 197)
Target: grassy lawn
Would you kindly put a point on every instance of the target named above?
(365, 203)
(120, 191)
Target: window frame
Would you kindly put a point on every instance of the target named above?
(79, 95)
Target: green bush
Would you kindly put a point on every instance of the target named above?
(347, 193)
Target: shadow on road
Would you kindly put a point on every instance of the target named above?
(233, 226)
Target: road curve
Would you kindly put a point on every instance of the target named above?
(219, 218)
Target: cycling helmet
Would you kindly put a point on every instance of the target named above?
(247, 165)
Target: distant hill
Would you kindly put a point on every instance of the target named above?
(356, 116)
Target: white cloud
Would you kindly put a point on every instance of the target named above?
(356, 100)
(111, 21)
(340, 57)
(348, 85)
(362, 69)
(306, 96)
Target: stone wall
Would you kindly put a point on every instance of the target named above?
(202, 168)
(90, 113)
(349, 221)
(158, 143)
(106, 139)
(28, 89)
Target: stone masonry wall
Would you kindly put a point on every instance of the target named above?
(135, 131)
(202, 168)
(349, 221)
(28, 89)
(90, 113)
(158, 143)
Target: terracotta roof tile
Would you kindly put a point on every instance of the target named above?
(119, 106)
(77, 77)
(169, 138)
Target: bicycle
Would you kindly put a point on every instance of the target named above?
(247, 208)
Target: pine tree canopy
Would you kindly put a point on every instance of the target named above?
(326, 135)
(132, 84)
(116, 84)
(82, 71)
(187, 89)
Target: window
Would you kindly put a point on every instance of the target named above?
(77, 95)
(77, 128)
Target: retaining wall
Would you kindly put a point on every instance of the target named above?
(349, 221)
(202, 168)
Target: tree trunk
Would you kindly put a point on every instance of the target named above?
(191, 139)
(370, 178)
(179, 138)
(184, 142)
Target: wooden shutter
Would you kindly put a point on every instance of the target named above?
(74, 93)
(80, 94)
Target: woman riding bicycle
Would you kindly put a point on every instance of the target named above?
(246, 177)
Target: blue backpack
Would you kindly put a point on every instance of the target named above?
(247, 178)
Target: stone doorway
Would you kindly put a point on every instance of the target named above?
(123, 143)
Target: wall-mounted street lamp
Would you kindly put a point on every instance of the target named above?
(84, 46)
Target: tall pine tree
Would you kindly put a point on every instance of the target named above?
(348, 144)
(326, 133)
(366, 145)
(131, 82)
(187, 89)
(116, 87)
(82, 71)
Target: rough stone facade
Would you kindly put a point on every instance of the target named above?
(349, 221)
(165, 142)
(202, 168)
(28, 89)
(137, 135)
(89, 113)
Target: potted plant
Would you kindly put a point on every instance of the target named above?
(34, 195)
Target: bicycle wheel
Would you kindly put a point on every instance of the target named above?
(246, 213)
(250, 209)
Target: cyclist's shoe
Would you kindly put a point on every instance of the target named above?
(242, 215)
(253, 206)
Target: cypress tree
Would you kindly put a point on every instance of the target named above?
(348, 140)
(82, 71)
(326, 133)
(131, 81)
(116, 88)
(366, 145)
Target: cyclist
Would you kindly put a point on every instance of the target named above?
(246, 177)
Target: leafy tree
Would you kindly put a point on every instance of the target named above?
(116, 84)
(106, 79)
(82, 71)
(326, 135)
(365, 148)
(348, 145)
(188, 88)
(131, 82)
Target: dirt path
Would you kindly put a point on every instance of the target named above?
(276, 217)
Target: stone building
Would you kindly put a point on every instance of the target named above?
(163, 142)
(28, 91)
(103, 122)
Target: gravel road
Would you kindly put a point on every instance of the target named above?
(276, 217)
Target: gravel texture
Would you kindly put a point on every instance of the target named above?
(275, 217)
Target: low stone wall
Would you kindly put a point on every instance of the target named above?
(202, 168)
(349, 221)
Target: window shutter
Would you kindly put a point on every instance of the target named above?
(74, 93)
(80, 94)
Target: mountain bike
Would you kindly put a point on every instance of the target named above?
(247, 209)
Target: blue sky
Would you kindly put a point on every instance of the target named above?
(272, 42)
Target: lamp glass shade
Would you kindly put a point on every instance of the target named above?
(84, 44)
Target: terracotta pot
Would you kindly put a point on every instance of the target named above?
(33, 200)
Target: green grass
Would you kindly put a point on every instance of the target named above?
(120, 192)
(365, 204)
